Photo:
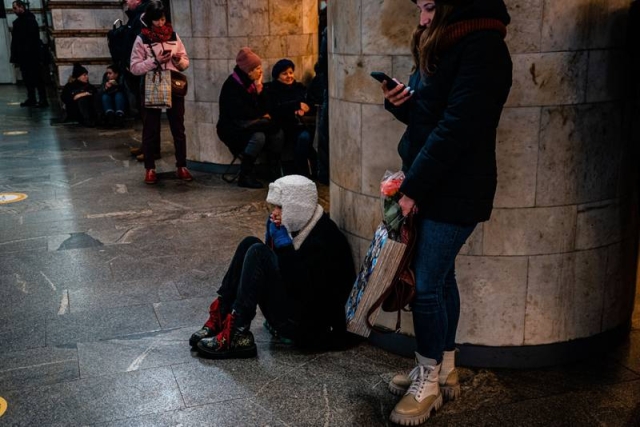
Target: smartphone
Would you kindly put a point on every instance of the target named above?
(381, 77)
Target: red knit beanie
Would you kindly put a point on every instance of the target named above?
(247, 60)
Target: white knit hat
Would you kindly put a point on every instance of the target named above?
(298, 197)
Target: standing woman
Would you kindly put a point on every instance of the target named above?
(158, 46)
(452, 106)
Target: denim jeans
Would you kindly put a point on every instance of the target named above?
(114, 102)
(253, 279)
(436, 309)
(304, 155)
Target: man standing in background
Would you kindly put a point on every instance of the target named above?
(135, 9)
(26, 53)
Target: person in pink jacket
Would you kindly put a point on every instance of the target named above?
(158, 46)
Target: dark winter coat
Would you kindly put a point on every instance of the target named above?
(318, 277)
(113, 89)
(241, 111)
(448, 149)
(134, 25)
(25, 40)
(283, 101)
(70, 90)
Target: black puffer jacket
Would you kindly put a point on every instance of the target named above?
(25, 40)
(318, 277)
(448, 148)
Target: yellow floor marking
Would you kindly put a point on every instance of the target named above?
(3, 406)
(15, 132)
(11, 197)
(13, 103)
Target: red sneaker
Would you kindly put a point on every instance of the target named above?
(150, 177)
(183, 174)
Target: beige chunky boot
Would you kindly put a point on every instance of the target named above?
(448, 379)
(423, 396)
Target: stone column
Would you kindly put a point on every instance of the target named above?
(554, 268)
(213, 33)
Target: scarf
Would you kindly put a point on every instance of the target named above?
(300, 237)
(250, 89)
(455, 32)
(158, 34)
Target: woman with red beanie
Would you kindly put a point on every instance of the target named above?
(451, 106)
(244, 124)
(158, 46)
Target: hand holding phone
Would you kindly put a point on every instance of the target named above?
(397, 98)
(381, 77)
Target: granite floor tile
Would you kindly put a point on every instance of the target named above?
(183, 313)
(232, 413)
(27, 245)
(94, 400)
(22, 331)
(121, 294)
(567, 410)
(31, 293)
(615, 405)
(313, 395)
(209, 381)
(96, 325)
(37, 367)
(135, 352)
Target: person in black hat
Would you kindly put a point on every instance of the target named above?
(290, 110)
(78, 97)
(451, 106)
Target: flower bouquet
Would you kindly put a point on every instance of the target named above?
(389, 196)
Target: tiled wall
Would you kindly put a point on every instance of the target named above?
(214, 31)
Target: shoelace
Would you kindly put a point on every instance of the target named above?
(418, 376)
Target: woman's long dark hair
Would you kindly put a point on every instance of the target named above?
(153, 12)
(425, 41)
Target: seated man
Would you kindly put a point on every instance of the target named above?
(244, 125)
(300, 278)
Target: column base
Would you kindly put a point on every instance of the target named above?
(522, 357)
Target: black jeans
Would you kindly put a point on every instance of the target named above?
(253, 279)
(32, 77)
(151, 133)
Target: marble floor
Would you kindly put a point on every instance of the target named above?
(103, 279)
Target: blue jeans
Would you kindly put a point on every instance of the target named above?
(114, 101)
(253, 279)
(436, 309)
(304, 155)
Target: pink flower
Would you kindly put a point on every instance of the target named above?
(390, 187)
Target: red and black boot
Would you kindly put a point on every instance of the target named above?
(214, 324)
(235, 341)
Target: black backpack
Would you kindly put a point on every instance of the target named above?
(121, 38)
